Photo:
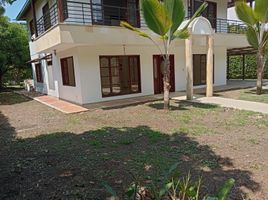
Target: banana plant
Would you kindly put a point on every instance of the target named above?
(256, 20)
(164, 18)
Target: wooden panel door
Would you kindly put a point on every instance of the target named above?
(199, 69)
(158, 62)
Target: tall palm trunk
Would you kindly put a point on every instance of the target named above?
(166, 81)
(260, 68)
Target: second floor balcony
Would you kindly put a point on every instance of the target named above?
(110, 14)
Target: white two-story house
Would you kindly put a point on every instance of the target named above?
(79, 52)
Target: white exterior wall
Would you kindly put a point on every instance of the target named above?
(70, 93)
(87, 43)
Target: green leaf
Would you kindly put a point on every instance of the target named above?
(261, 10)
(245, 12)
(224, 191)
(182, 34)
(165, 189)
(176, 12)
(252, 37)
(156, 16)
(129, 27)
(196, 14)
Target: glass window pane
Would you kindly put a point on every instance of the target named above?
(105, 71)
(104, 62)
(114, 62)
(106, 90)
(116, 89)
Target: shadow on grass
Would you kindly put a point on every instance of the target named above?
(69, 166)
(10, 98)
(182, 105)
(253, 91)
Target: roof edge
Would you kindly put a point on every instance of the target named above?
(23, 10)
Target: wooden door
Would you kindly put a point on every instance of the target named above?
(46, 17)
(199, 69)
(158, 62)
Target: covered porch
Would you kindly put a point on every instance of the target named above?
(180, 95)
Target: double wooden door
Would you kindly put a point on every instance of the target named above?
(158, 64)
(200, 69)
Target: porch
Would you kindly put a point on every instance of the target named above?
(179, 95)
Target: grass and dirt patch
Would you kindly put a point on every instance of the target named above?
(246, 94)
(46, 154)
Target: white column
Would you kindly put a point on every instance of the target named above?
(189, 68)
(210, 53)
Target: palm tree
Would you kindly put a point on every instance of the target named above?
(257, 35)
(164, 18)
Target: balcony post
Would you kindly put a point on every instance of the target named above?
(60, 11)
(189, 68)
(34, 18)
(209, 89)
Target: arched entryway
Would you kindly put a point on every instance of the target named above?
(199, 27)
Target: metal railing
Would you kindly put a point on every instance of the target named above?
(48, 20)
(100, 14)
(230, 26)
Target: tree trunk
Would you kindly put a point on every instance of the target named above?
(166, 82)
(260, 68)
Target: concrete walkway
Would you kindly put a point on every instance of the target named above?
(236, 104)
(60, 105)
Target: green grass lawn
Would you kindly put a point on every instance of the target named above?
(9, 98)
(250, 95)
(46, 154)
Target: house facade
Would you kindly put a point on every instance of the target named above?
(79, 52)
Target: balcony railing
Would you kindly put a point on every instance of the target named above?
(48, 20)
(230, 26)
(100, 14)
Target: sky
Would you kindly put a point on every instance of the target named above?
(13, 10)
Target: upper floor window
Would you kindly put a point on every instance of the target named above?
(67, 71)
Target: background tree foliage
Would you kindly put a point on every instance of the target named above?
(3, 3)
(14, 50)
(236, 67)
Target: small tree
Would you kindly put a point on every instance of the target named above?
(257, 35)
(14, 50)
(3, 3)
(164, 18)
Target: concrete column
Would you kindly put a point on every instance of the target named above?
(210, 41)
(189, 67)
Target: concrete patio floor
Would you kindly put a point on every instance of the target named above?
(181, 95)
(60, 105)
(67, 107)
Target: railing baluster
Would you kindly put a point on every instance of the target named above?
(83, 13)
(95, 13)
